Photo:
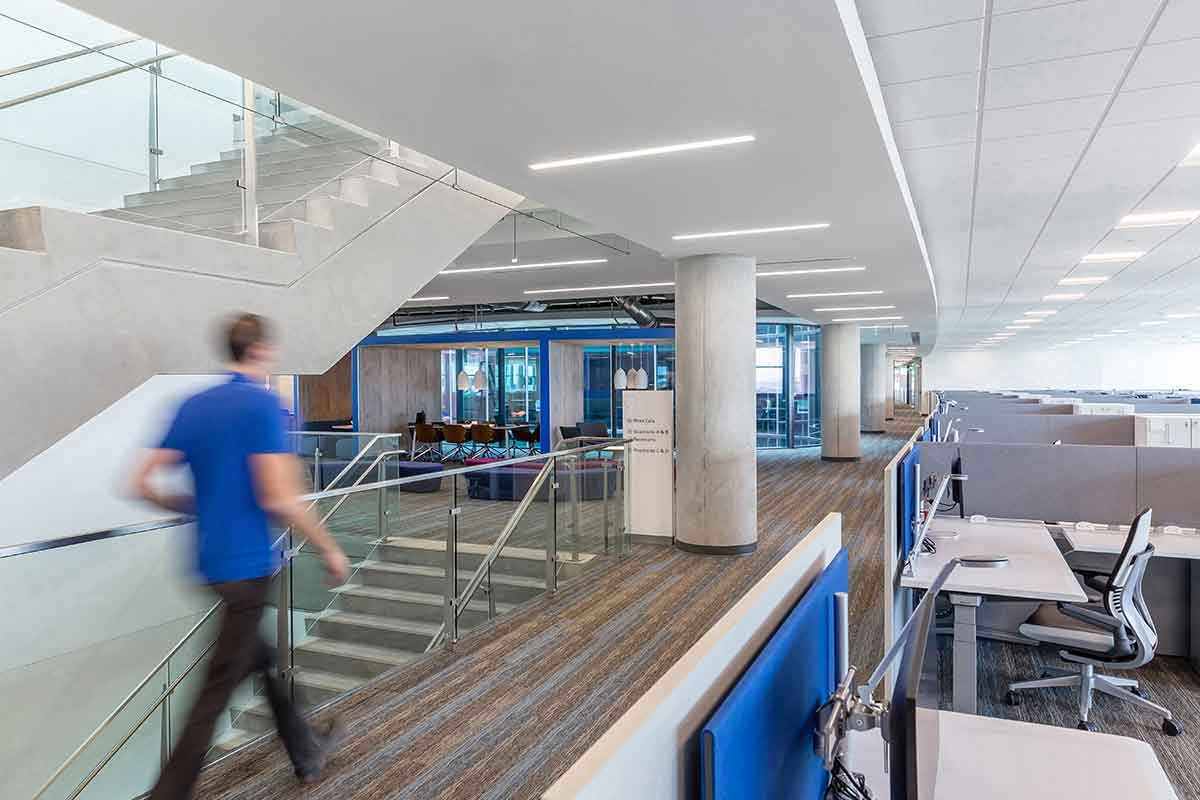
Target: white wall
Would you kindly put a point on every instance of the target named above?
(1094, 365)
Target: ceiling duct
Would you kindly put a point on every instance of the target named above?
(638, 313)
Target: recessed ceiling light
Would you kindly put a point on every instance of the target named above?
(1103, 335)
(1157, 219)
(808, 226)
(1189, 315)
(536, 265)
(427, 298)
(1017, 327)
(866, 319)
(642, 152)
(1154, 322)
(856, 308)
(821, 271)
(995, 335)
(1032, 321)
(1046, 313)
(1089, 280)
(1113, 257)
(1071, 296)
(877, 327)
(833, 294)
(1121, 330)
(603, 288)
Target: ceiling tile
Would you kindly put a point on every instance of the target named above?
(931, 98)
(1062, 31)
(1161, 103)
(1179, 192)
(935, 132)
(948, 50)
(882, 17)
(1006, 6)
(1043, 118)
(1055, 80)
(1016, 151)
(1181, 20)
(1162, 64)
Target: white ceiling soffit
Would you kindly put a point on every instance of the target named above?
(495, 87)
(1028, 130)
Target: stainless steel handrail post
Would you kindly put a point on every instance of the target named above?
(490, 593)
(153, 148)
(451, 600)
(576, 491)
(165, 725)
(283, 619)
(249, 166)
(626, 509)
(317, 469)
(604, 500)
(381, 511)
(552, 528)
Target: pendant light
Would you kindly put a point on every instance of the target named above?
(464, 382)
(481, 381)
(620, 380)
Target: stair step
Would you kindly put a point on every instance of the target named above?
(349, 658)
(412, 605)
(313, 687)
(204, 186)
(378, 631)
(308, 156)
(220, 197)
(295, 140)
(236, 739)
(510, 589)
(529, 562)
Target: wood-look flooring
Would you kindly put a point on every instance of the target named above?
(516, 703)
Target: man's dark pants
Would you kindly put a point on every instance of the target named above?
(238, 653)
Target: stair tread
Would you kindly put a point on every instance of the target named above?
(530, 553)
(463, 574)
(237, 738)
(407, 596)
(385, 655)
(326, 680)
(382, 623)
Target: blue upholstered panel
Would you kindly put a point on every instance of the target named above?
(759, 741)
(906, 494)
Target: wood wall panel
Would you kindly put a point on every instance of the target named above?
(394, 383)
(566, 387)
(327, 397)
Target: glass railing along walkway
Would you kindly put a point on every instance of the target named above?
(434, 555)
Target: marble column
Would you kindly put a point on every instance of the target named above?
(716, 472)
(841, 397)
(874, 388)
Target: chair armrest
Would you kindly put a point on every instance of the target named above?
(1090, 617)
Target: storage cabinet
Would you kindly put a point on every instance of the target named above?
(1166, 430)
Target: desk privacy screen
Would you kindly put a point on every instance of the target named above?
(759, 742)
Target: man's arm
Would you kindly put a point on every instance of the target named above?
(142, 482)
(277, 484)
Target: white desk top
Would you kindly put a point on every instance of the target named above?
(983, 758)
(1166, 545)
(1035, 570)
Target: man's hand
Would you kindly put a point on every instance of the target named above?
(337, 566)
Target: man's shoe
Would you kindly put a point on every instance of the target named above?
(328, 741)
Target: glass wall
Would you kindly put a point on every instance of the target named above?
(508, 392)
(806, 386)
(601, 403)
(520, 386)
(771, 406)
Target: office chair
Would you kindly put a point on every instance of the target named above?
(1119, 634)
(457, 436)
(428, 442)
(598, 430)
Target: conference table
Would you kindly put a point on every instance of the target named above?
(505, 429)
(1036, 570)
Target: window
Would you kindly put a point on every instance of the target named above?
(771, 406)
(806, 382)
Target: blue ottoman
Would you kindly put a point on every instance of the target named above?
(404, 469)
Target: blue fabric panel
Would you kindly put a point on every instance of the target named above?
(906, 480)
(759, 741)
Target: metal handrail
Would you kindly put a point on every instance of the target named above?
(40, 545)
(123, 704)
(358, 456)
(349, 170)
(45, 62)
(62, 87)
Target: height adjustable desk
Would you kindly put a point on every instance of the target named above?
(1036, 570)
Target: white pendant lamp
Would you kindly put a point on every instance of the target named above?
(620, 379)
(464, 382)
(481, 382)
(642, 379)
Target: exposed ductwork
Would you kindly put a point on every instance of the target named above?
(638, 313)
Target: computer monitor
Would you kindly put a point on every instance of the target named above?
(956, 486)
(902, 712)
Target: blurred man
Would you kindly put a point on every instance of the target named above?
(233, 440)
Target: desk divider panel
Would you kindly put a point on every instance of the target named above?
(1045, 428)
(758, 742)
(1168, 480)
(1047, 482)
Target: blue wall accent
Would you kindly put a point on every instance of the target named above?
(906, 483)
(354, 387)
(544, 393)
(759, 741)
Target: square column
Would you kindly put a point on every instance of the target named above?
(717, 475)
(841, 396)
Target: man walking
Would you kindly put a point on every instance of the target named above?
(233, 440)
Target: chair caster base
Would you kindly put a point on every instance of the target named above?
(1012, 698)
(1171, 728)
(1140, 692)
(1086, 726)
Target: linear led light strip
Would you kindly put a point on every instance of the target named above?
(425, 299)
(1088, 280)
(603, 288)
(1113, 257)
(866, 319)
(807, 226)
(833, 294)
(1158, 219)
(824, 271)
(856, 308)
(641, 152)
(579, 262)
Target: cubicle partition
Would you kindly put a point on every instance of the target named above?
(1043, 428)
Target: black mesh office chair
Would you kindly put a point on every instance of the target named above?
(1116, 634)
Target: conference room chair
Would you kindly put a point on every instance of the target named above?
(1116, 634)
(569, 432)
(526, 439)
(483, 440)
(598, 430)
(458, 438)
(427, 443)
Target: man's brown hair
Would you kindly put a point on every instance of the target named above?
(243, 332)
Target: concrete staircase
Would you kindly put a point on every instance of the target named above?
(389, 613)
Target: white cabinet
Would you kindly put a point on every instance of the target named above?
(1166, 430)
(1119, 409)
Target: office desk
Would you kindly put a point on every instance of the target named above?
(1173, 595)
(1036, 570)
(983, 758)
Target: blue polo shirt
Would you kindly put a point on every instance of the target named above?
(217, 431)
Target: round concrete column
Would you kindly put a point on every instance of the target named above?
(841, 399)
(716, 473)
(874, 388)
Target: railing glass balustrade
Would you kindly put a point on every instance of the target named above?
(433, 556)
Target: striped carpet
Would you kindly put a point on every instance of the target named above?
(515, 703)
